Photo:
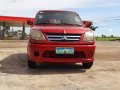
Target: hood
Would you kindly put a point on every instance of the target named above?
(61, 29)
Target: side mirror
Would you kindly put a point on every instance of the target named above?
(87, 24)
(30, 22)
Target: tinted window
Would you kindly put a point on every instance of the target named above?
(58, 18)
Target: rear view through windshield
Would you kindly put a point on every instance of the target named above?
(58, 18)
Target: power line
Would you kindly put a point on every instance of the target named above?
(100, 21)
(110, 18)
(106, 19)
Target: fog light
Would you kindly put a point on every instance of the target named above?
(36, 53)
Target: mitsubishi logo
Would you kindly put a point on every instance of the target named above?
(64, 38)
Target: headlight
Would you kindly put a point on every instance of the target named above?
(89, 36)
(37, 35)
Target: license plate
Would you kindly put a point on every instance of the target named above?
(63, 50)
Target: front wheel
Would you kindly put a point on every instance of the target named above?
(31, 64)
(87, 65)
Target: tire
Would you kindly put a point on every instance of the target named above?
(31, 64)
(87, 65)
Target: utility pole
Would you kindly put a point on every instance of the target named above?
(23, 32)
(2, 31)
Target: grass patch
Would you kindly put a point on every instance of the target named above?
(108, 39)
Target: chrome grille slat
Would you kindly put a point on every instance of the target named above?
(53, 36)
(63, 37)
(62, 40)
(74, 36)
(52, 39)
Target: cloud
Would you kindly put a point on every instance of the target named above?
(14, 1)
(29, 7)
(110, 30)
(10, 1)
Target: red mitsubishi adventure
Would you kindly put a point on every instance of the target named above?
(60, 37)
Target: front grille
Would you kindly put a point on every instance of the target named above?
(52, 54)
(63, 37)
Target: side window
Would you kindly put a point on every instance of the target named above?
(77, 19)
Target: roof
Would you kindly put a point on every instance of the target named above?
(56, 11)
(14, 21)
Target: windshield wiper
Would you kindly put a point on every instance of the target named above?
(48, 23)
(59, 23)
(43, 23)
(70, 24)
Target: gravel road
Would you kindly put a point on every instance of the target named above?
(15, 75)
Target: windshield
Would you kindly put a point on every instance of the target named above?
(58, 18)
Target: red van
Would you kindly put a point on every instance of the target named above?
(60, 37)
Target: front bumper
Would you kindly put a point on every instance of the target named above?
(36, 53)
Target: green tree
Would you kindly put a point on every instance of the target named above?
(111, 36)
(104, 36)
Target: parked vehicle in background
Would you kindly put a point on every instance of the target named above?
(60, 37)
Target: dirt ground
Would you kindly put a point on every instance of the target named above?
(15, 75)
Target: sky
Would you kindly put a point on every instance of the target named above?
(104, 13)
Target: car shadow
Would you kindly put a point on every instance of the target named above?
(17, 64)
